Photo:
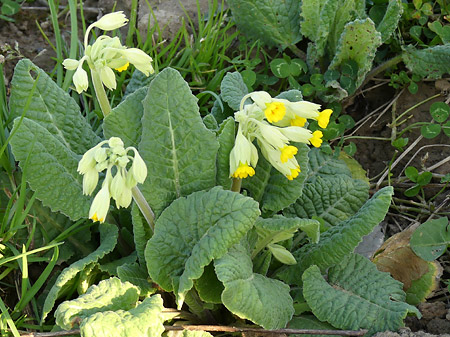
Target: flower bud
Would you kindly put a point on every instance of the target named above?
(117, 185)
(111, 21)
(138, 168)
(71, 64)
(108, 77)
(90, 181)
(80, 79)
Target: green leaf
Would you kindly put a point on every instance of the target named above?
(138, 80)
(124, 121)
(233, 89)
(226, 139)
(358, 42)
(274, 23)
(324, 165)
(291, 95)
(144, 320)
(179, 151)
(412, 173)
(108, 237)
(333, 199)
(309, 322)
(51, 108)
(108, 295)
(424, 178)
(208, 286)
(340, 240)
(137, 275)
(356, 296)
(275, 226)
(281, 254)
(271, 188)
(10, 8)
(446, 128)
(401, 142)
(442, 31)
(390, 20)
(141, 232)
(430, 131)
(51, 169)
(192, 232)
(431, 239)
(280, 68)
(210, 122)
(422, 288)
(249, 295)
(412, 191)
(439, 111)
(430, 62)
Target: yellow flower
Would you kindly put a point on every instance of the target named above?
(288, 152)
(123, 68)
(294, 173)
(274, 111)
(298, 121)
(316, 139)
(243, 171)
(324, 118)
(100, 205)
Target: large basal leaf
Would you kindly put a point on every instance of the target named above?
(179, 151)
(192, 232)
(226, 141)
(249, 295)
(342, 239)
(389, 23)
(276, 23)
(110, 294)
(141, 233)
(431, 62)
(309, 322)
(144, 320)
(108, 237)
(124, 121)
(137, 275)
(51, 169)
(325, 165)
(356, 296)
(333, 199)
(233, 89)
(208, 286)
(359, 42)
(272, 189)
(51, 108)
(138, 80)
(280, 224)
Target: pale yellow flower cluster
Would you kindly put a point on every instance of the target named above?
(274, 123)
(112, 158)
(106, 54)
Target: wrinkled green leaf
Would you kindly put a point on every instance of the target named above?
(108, 238)
(226, 139)
(179, 151)
(192, 232)
(208, 286)
(356, 296)
(51, 108)
(138, 80)
(145, 320)
(249, 295)
(109, 295)
(276, 23)
(124, 121)
(137, 275)
(309, 322)
(340, 240)
(431, 62)
(334, 199)
(51, 169)
(390, 20)
(233, 89)
(324, 165)
(279, 224)
(141, 232)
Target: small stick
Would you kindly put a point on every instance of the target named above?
(221, 329)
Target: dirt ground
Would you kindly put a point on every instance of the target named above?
(23, 39)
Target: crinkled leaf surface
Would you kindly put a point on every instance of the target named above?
(51, 169)
(124, 121)
(334, 199)
(145, 320)
(321, 164)
(309, 322)
(280, 224)
(358, 42)
(226, 141)
(340, 240)
(138, 80)
(272, 189)
(356, 296)
(51, 108)
(233, 89)
(208, 286)
(141, 233)
(192, 232)
(108, 237)
(179, 151)
(276, 23)
(110, 294)
(137, 275)
(390, 19)
(431, 62)
(251, 296)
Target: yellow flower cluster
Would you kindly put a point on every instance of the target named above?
(274, 123)
(119, 187)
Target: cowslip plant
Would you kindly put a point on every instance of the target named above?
(220, 254)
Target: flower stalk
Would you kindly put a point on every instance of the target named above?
(144, 207)
(100, 93)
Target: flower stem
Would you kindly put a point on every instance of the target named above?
(144, 207)
(236, 185)
(100, 92)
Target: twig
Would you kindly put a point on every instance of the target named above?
(422, 148)
(220, 328)
(387, 108)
